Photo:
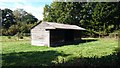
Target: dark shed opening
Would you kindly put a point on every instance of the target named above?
(60, 37)
(69, 35)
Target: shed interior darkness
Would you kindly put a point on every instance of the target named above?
(63, 36)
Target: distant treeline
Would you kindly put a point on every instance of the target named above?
(99, 18)
(16, 22)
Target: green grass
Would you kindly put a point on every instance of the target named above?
(91, 53)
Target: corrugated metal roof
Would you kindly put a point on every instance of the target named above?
(63, 26)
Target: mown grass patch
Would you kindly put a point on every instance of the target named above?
(100, 52)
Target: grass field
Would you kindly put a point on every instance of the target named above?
(92, 53)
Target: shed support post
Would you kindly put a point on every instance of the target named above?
(48, 38)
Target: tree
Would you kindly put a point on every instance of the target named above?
(7, 18)
(23, 16)
(29, 19)
(24, 20)
(97, 17)
(17, 21)
(103, 17)
(13, 30)
(64, 12)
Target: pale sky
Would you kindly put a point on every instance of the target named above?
(31, 6)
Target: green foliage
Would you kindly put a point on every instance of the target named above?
(24, 17)
(17, 21)
(13, 30)
(7, 18)
(115, 34)
(9, 37)
(98, 17)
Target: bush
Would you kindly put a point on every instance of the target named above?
(21, 37)
(115, 34)
(9, 37)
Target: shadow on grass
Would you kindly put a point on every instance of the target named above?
(38, 58)
(110, 61)
(84, 41)
(46, 58)
(75, 42)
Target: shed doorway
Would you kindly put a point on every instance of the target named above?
(61, 37)
(69, 36)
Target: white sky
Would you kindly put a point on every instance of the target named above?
(31, 6)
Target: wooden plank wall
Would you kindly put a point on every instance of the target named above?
(39, 36)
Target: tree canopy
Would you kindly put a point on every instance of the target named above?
(17, 21)
(97, 17)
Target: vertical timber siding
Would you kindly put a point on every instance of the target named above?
(40, 36)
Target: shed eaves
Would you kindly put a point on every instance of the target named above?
(63, 26)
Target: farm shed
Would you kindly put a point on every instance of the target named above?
(53, 34)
